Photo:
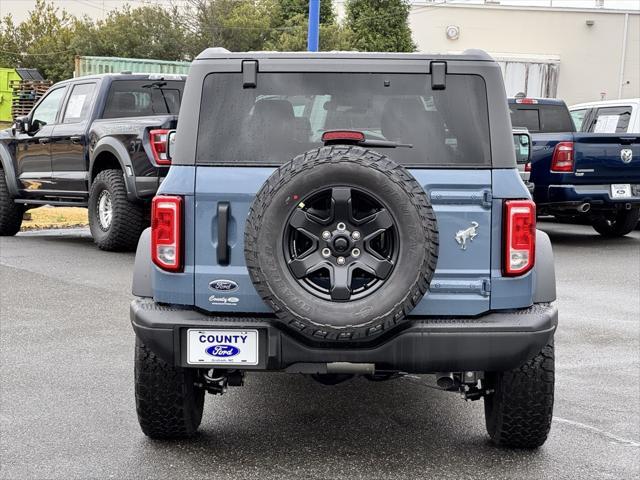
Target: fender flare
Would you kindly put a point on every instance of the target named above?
(143, 267)
(545, 278)
(118, 150)
(9, 171)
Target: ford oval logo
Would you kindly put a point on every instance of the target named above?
(223, 351)
(223, 285)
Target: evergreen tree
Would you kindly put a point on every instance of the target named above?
(379, 25)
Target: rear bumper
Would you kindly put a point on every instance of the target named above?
(598, 196)
(493, 342)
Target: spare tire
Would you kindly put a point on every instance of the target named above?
(342, 243)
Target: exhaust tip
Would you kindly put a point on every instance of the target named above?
(445, 381)
(584, 208)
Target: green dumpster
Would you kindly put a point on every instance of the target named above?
(6, 93)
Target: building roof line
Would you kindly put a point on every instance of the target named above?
(428, 7)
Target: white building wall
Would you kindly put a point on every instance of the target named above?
(536, 42)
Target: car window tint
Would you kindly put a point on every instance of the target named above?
(526, 118)
(541, 118)
(137, 98)
(286, 114)
(79, 103)
(611, 120)
(45, 113)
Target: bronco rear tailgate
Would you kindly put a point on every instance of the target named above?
(605, 159)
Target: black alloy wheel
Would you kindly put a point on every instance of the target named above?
(341, 243)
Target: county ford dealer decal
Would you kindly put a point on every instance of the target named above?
(228, 347)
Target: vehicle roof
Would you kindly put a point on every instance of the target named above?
(125, 76)
(540, 101)
(218, 53)
(602, 103)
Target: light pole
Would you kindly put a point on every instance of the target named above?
(313, 35)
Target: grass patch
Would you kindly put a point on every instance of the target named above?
(54, 217)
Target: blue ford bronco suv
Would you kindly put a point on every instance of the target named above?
(345, 214)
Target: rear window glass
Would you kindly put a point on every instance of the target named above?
(138, 98)
(611, 120)
(286, 114)
(542, 118)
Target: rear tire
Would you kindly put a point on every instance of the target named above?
(618, 224)
(10, 212)
(519, 411)
(116, 223)
(168, 403)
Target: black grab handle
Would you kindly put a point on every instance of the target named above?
(223, 233)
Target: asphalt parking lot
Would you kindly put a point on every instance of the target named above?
(67, 406)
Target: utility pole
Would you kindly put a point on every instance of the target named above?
(313, 35)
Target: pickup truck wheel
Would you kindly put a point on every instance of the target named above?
(519, 409)
(168, 403)
(618, 224)
(10, 212)
(342, 243)
(116, 223)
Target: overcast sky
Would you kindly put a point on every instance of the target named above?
(99, 8)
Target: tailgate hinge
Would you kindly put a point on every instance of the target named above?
(249, 73)
(438, 70)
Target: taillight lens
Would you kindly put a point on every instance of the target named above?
(527, 101)
(527, 167)
(562, 160)
(166, 232)
(159, 143)
(520, 236)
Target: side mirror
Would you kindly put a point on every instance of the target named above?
(20, 125)
(171, 143)
(522, 146)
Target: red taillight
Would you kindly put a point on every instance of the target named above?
(562, 160)
(527, 101)
(520, 237)
(166, 232)
(344, 135)
(159, 142)
(527, 167)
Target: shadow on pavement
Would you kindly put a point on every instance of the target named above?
(300, 426)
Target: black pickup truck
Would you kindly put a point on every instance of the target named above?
(98, 142)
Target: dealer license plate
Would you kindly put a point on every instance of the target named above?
(222, 347)
(621, 190)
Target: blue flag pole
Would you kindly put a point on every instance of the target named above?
(313, 36)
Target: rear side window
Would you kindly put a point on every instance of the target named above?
(542, 118)
(79, 102)
(611, 120)
(287, 113)
(138, 98)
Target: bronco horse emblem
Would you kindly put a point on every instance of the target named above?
(467, 234)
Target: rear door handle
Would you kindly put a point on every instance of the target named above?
(223, 233)
(44, 140)
(76, 139)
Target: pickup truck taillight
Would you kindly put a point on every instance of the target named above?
(159, 146)
(562, 160)
(166, 232)
(520, 237)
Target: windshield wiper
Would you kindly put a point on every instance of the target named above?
(383, 144)
(158, 86)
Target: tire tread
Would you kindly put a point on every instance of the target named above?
(167, 402)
